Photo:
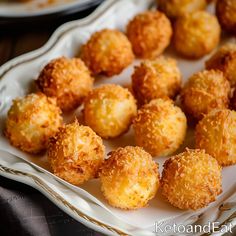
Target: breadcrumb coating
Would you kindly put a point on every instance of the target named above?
(196, 34)
(205, 91)
(76, 153)
(66, 79)
(216, 133)
(107, 52)
(129, 178)
(177, 8)
(233, 101)
(225, 60)
(226, 13)
(149, 33)
(31, 121)
(191, 180)
(155, 79)
(109, 110)
(160, 127)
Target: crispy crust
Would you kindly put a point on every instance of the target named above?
(109, 110)
(129, 178)
(226, 13)
(177, 8)
(149, 33)
(216, 134)
(107, 52)
(233, 101)
(225, 60)
(160, 127)
(31, 121)
(196, 34)
(157, 78)
(66, 79)
(76, 153)
(191, 180)
(205, 91)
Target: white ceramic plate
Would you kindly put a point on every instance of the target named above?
(86, 204)
(10, 8)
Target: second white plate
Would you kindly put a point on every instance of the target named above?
(34, 8)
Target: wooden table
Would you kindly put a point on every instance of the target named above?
(16, 44)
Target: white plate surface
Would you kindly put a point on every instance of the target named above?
(16, 79)
(9, 8)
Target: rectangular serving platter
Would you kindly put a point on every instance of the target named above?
(86, 203)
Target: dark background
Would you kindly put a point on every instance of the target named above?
(26, 212)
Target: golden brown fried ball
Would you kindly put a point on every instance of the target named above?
(226, 13)
(31, 121)
(66, 79)
(107, 52)
(129, 178)
(233, 101)
(109, 110)
(191, 180)
(216, 133)
(149, 33)
(156, 78)
(177, 8)
(160, 127)
(205, 91)
(196, 34)
(76, 153)
(225, 60)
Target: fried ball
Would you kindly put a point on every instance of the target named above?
(66, 79)
(109, 110)
(129, 178)
(149, 33)
(177, 8)
(107, 52)
(226, 13)
(191, 180)
(205, 91)
(225, 60)
(31, 121)
(196, 34)
(160, 127)
(233, 101)
(216, 133)
(76, 153)
(156, 78)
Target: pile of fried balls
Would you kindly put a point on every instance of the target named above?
(129, 176)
